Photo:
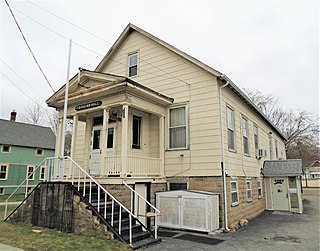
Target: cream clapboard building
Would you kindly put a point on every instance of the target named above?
(159, 119)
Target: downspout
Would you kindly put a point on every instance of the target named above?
(222, 160)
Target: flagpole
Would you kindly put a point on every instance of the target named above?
(64, 126)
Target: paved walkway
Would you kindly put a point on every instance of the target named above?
(269, 231)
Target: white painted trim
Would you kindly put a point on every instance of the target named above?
(7, 170)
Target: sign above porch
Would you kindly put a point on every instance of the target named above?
(88, 105)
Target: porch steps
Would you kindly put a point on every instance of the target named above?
(140, 236)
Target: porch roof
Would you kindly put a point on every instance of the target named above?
(108, 83)
(275, 168)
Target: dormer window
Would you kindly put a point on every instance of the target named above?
(133, 64)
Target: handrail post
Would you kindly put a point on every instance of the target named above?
(130, 228)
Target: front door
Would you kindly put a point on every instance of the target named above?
(280, 195)
(96, 150)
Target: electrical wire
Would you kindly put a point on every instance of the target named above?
(21, 78)
(98, 37)
(26, 94)
(25, 40)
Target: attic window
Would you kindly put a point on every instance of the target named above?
(39, 152)
(133, 64)
(5, 149)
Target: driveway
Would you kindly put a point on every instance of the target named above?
(269, 231)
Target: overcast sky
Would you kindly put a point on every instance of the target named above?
(271, 46)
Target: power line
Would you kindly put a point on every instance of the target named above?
(25, 40)
(25, 93)
(100, 38)
(21, 78)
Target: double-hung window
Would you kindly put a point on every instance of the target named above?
(234, 192)
(259, 188)
(3, 172)
(30, 173)
(133, 64)
(178, 127)
(136, 132)
(249, 189)
(256, 140)
(42, 173)
(271, 147)
(230, 125)
(245, 134)
(277, 151)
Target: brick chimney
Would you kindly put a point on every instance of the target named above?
(13, 115)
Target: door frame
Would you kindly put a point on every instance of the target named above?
(287, 190)
(148, 198)
(96, 127)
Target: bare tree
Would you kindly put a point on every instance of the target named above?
(34, 115)
(299, 127)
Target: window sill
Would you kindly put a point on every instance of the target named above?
(234, 204)
(260, 197)
(232, 150)
(249, 200)
(177, 149)
(247, 155)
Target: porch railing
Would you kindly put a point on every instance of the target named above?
(137, 166)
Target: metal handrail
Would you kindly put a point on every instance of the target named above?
(157, 211)
(25, 181)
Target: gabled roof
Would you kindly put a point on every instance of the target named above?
(278, 168)
(315, 164)
(131, 28)
(108, 82)
(26, 135)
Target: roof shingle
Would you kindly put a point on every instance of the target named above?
(26, 135)
(290, 167)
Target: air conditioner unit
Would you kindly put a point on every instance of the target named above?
(262, 153)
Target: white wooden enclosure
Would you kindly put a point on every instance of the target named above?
(192, 210)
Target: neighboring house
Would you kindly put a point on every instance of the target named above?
(22, 149)
(313, 171)
(159, 119)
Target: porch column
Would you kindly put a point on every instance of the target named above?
(58, 138)
(104, 141)
(74, 136)
(298, 185)
(161, 144)
(124, 139)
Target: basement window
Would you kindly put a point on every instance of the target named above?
(259, 188)
(249, 190)
(6, 149)
(42, 173)
(234, 193)
(178, 186)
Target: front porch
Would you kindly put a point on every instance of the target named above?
(118, 126)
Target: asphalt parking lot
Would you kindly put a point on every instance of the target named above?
(269, 231)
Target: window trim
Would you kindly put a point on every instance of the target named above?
(128, 64)
(186, 125)
(256, 148)
(6, 151)
(27, 174)
(245, 120)
(233, 130)
(249, 181)
(276, 149)
(177, 182)
(42, 151)
(7, 170)
(235, 203)
(259, 181)
(2, 189)
(40, 172)
(140, 132)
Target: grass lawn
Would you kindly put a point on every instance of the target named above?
(22, 236)
(16, 197)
